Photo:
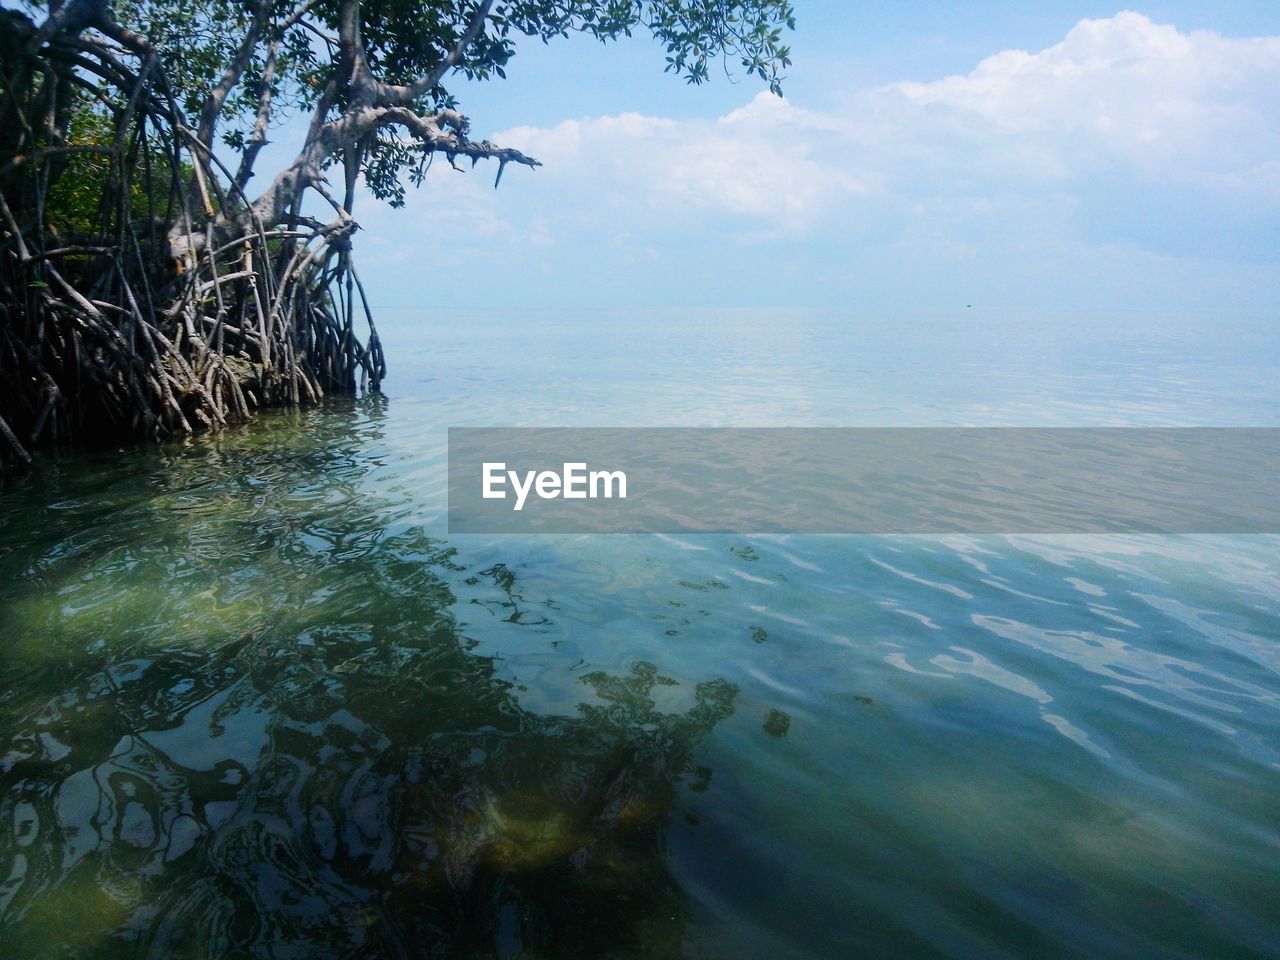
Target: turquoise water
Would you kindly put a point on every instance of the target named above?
(255, 701)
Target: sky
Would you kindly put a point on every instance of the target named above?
(927, 156)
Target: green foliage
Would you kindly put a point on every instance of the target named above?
(85, 196)
(406, 39)
(74, 205)
(200, 37)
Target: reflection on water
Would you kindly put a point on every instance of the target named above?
(255, 703)
(268, 734)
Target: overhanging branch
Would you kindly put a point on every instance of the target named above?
(402, 94)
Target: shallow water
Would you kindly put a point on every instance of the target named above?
(254, 701)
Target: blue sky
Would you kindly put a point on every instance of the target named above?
(926, 156)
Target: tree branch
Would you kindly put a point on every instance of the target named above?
(403, 94)
(258, 139)
(443, 132)
(296, 17)
(212, 107)
(76, 16)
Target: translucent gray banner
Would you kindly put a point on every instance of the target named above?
(869, 481)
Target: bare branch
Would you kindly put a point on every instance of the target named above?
(442, 132)
(296, 17)
(258, 139)
(445, 132)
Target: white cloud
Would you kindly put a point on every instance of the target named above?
(1130, 161)
(1124, 89)
(762, 160)
(1122, 95)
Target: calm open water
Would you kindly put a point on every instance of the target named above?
(254, 701)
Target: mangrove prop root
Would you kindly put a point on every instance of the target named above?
(109, 329)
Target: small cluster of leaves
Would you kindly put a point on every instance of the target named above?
(749, 31)
(694, 32)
